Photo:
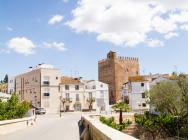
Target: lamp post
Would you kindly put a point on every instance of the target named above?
(177, 125)
(60, 106)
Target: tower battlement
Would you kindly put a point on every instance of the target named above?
(128, 58)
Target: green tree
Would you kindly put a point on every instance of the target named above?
(5, 79)
(121, 106)
(156, 125)
(13, 108)
(171, 97)
(90, 102)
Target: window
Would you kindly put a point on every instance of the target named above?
(46, 80)
(144, 104)
(66, 87)
(94, 87)
(142, 84)
(77, 97)
(47, 94)
(56, 78)
(67, 96)
(90, 95)
(143, 95)
(101, 85)
(76, 87)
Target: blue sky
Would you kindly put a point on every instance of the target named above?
(75, 41)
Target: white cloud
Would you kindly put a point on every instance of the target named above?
(129, 22)
(21, 45)
(55, 19)
(56, 45)
(154, 43)
(163, 26)
(170, 35)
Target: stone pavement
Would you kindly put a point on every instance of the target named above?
(49, 127)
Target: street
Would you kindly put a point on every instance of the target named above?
(49, 127)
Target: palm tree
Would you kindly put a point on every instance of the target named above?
(90, 101)
(121, 106)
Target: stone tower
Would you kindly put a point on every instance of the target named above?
(115, 71)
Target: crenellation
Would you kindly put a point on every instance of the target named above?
(122, 58)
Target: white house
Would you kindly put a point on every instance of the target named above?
(98, 91)
(79, 95)
(72, 94)
(134, 91)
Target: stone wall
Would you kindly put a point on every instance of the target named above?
(92, 129)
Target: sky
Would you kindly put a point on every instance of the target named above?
(73, 35)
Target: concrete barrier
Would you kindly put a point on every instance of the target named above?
(9, 126)
(92, 129)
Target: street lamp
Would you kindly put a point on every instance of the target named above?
(177, 124)
(60, 106)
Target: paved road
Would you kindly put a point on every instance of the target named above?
(49, 127)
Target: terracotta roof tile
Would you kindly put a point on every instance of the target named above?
(70, 80)
(137, 78)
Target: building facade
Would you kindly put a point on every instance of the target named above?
(99, 92)
(134, 94)
(134, 91)
(80, 95)
(11, 85)
(72, 94)
(115, 71)
(40, 86)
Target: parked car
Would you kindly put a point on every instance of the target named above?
(40, 110)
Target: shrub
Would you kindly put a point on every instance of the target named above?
(111, 122)
(13, 108)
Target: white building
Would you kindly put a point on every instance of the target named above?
(72, 94)
(78, 95)
(40, 86)
(11, 85)
(98, 91)
(134, 93)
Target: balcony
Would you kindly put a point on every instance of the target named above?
(68, 100)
